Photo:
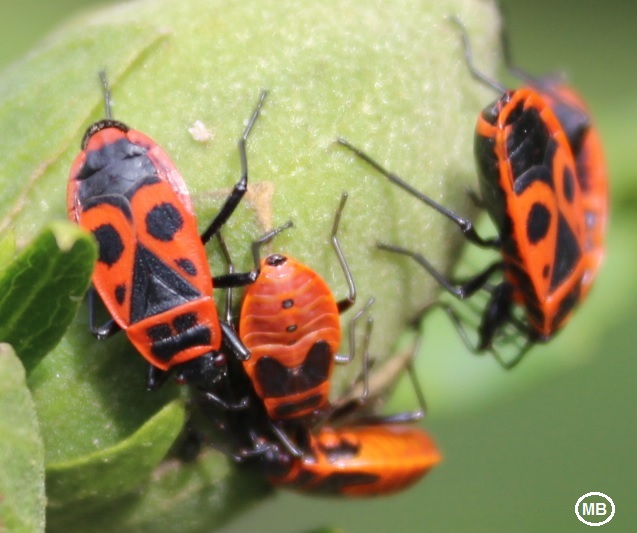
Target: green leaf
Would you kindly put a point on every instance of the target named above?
(21, 452)
(102, 385)
(42, 288)
(7, 249)
(111, 472)
(197, 496)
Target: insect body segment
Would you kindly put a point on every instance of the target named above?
(527, 177)
(590, 170)
(543, 183)
(357, 461)
(287, 322)
(366, 455)
(584, 142)
(290, 322)
(152, 271)
(353, 453)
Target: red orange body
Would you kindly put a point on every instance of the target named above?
(358, 461)
(152, 271)
(290, 323)
(543, 182)
(591, 170)
(528, 180)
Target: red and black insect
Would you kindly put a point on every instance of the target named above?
(585, 142)
(290, 322)
(371, 455)
(357, 461)
(550, 219)
(152, 271)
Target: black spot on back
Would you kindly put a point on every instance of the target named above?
(185, 321)
(115, 200)
(110, 244)
(292, 328)
(538, 223)
(569, 185)
(163, 221)
(166, 348)
(277, 380)
(187, 266)
(273, 377)
(287, 409)
(159, 332)
(317, 363)
(120, 293)
(343, 449)
(529, 145)
(574, 121)
(286, 304)
(531, 176)
(567, 253)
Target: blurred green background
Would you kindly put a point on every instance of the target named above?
(520, 448)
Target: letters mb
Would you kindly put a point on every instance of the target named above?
(594, 509)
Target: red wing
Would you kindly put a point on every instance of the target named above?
(110, 220)
(545, 204)
(169, 231)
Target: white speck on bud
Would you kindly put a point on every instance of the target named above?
(200, 132)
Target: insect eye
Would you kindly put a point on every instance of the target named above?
(220, 360)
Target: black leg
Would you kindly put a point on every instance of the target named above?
(468, 54)
(458, 324)
(264, 239)
(492, 321)
(104, 331)
(226, 406)
(107, 94)
(240, 279)
(406, 416)
(241, 186)
(226, 255)
(510, 364)
(462, 291)
(350, 300)
(285, 440)
(507, 57)
(347, 358)
(465, 225)
(156, 377)
(233, 343)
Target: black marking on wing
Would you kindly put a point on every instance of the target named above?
(156, 286)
